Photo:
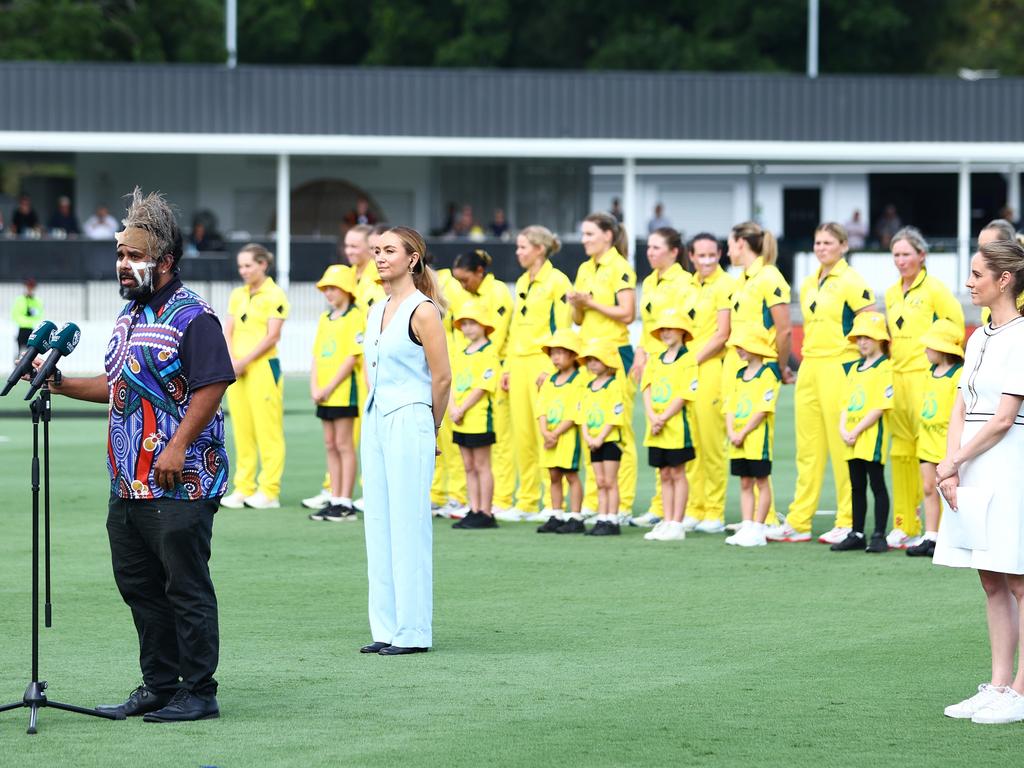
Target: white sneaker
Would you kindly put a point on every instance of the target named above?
(260, 500)
(233, 501)
(646, 520)
(511, 515)
(655, 533)
(538, 517)
(452, 510)
(625, 518)
(1008, 708)
(966, 709)
(358, 504)
(751, 536)
(897, 538)
(786, 533)
(733, 527)
(834, 536)
(739, 527)
(690, 523)
(673, 532)
(319, 501)
(709, 526)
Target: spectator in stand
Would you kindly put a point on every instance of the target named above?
(63, 223)
(887, 225)
(101, 225)
(25, 220)
(616, 210)
(856, 231)
(361, 214)
(465, 225)
(499, 224)
(659, 220)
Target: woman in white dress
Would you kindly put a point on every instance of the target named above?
(984, 451)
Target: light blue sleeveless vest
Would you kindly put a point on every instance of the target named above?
(396, 365)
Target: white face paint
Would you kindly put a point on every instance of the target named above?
(143, 273)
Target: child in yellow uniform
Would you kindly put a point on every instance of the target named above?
(333, 385)
(864, 427)
(475, 375)
(944, 348)
(558, 403)
(750, 427)
(669, 387)
(602, 410)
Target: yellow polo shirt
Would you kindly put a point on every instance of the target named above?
(756, 395)
(936, 407)
(368, 288)
(868, 390)
(759, 288)
(603, 278)
(910, 313)
(711, 296)
(337, 339)
(829, 304)
(494, 295)
(476, 370)
(673, 289)
(540, 309)
(603, 406)
(676, 380)
(251, 312)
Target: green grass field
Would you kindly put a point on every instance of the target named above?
(548, 650)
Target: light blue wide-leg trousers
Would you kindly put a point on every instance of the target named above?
(397, 458)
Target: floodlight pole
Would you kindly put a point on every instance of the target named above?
(812, 38)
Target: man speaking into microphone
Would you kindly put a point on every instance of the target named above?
(167, 366)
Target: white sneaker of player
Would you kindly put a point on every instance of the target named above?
(510, 515)
(538, 517)
(655, 533)
(897, 539)
(709, 526)
(690, 523)
(834, 536)
(739, 528)
(673, 531)
(319, 501)
(751, 536)
(786, 533)
(966, 709)
(1008, 708)
(233, 501)
(260, 500)
(358, 504)
(646, 520)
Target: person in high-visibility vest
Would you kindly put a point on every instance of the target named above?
(256, 313)
(830, 299)
(540, 309)
(26, 312)
(708, 473)
(912, 304)
(603, 302)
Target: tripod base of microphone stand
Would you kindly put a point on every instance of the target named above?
(35, 699)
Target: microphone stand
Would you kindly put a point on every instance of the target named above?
(35, 694)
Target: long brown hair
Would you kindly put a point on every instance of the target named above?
(761, 241)
(608, 223)
(423, 277)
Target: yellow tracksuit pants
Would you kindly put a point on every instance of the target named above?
(907, 492)
(356, 428)
(523, 372)
(730, 368)
(628, 465)
(816, 408)
(502, 464)
(708, 474)
(449, 472)
(256, 405)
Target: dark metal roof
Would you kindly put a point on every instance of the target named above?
(45, 96)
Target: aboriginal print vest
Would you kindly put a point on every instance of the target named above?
(149, 396)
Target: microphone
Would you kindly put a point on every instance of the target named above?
(38, 343)
(62, 346)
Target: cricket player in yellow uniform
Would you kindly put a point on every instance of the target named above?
(448, 490)
(668, 285)
(604, 304)
(541, 308)
(911, 306)
(829, 299)
(708, 473)
(256, 312)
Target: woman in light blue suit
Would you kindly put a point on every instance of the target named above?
(408, 380)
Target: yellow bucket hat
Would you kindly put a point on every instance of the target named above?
(564, 338)
(870, 324)
(672, 317)
(754, 340)
(605, 351)
(945, 336)
(477, 311)
(339, 276)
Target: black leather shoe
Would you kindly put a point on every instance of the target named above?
(926, 548)
(374, 647)
(184, 707)
(551, 526)
(853, 541)
(140, 701)
(572, 525)
(397, 650)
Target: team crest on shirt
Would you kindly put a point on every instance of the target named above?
(463, 381)
(661, 392)
(743, 408)
(930, 408)
(555, 413)
(595, 418)
(857, 400)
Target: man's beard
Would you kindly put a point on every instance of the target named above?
(139, 293)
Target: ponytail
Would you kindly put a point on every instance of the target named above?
(471, 261)
(542, 237)
(761, 241)
(423, 277)
(608, 223)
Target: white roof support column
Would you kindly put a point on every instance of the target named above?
(963, 224)
(1013, 191)
(629, 203)
(284, 221)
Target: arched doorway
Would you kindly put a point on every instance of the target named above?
(325, 207)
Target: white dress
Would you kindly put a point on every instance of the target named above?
(993, 365)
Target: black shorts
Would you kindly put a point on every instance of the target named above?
(332, 412)
(564, 470)
(473, 439)
(750, 467)
(607, 452)
(670, 457)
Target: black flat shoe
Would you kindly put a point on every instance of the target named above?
(374, 647)
(397, 650)
(185, 707)
(140, 701)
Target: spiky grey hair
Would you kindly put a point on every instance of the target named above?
(153, 214)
